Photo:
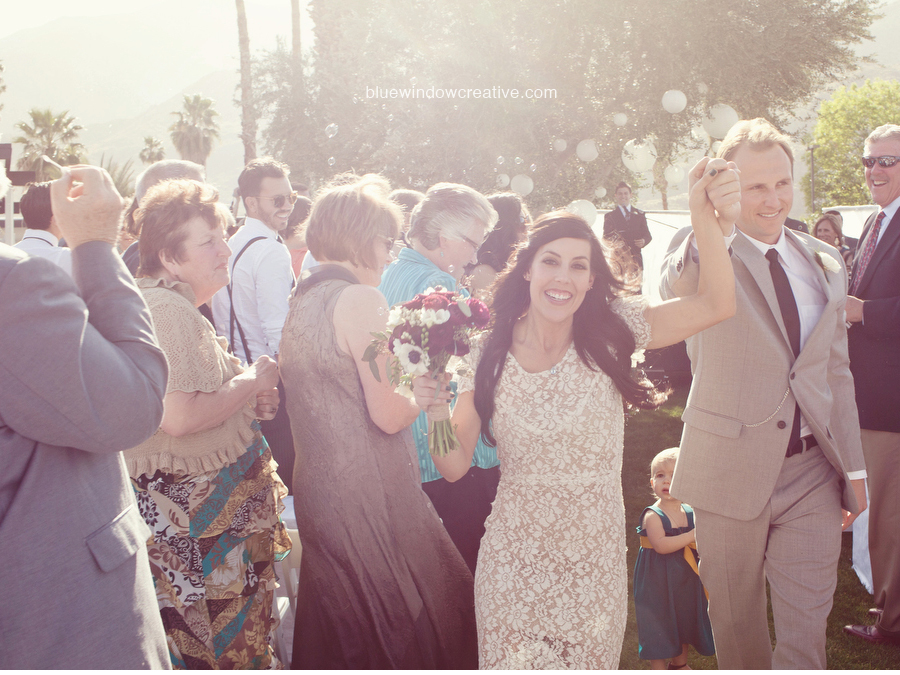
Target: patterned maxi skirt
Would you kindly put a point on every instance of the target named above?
(215, 539)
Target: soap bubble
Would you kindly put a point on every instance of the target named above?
(581, 170)
(522, 184)
(674, 174)
(587, 150)
(583, 208)
(674, 101)
(331, 161)
(501, 159)
(720, 119)
(533, 168)
(519, 161)
(331, 130)
(639, 157)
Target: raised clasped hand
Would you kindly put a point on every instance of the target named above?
(715, 192)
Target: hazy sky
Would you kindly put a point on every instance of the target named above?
(265, 18)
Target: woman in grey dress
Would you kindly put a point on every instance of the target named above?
(381, 584)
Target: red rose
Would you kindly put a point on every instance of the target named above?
(480, 313)
(435, 301)
(440, 338)
(415, 303)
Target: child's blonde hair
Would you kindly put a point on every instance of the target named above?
(667, 455)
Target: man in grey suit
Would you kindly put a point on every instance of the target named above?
(771, 450)
(81, 378)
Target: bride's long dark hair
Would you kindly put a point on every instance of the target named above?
(602, 338)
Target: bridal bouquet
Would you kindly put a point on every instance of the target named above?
(422, 335)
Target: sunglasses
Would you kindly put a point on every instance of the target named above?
(886, 161)
(279, 200)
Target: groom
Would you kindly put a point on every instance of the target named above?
(771, 446)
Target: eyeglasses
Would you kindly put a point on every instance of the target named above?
(278, 200)
(475, 246)
(886, 161)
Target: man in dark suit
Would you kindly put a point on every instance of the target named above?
(81, 378)
(873, 308)
(627, 223)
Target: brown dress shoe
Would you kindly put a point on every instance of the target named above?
(870, 634)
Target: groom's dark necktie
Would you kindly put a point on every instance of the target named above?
(791, 317)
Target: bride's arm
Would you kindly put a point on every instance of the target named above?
(715, 205)
(435, 395)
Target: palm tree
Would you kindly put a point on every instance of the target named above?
(248, 114)
(152, 150)
(51, 134)
(194, 132)
(122, 175)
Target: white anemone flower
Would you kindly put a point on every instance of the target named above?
(412, 359)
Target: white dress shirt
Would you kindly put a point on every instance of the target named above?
(42, 244)
(261, 288)
(889, 211)
(809, 296)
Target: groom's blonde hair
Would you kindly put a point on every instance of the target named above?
(759, 134)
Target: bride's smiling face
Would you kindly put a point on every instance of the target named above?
(559, 277)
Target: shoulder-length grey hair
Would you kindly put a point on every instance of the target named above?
(447, 210)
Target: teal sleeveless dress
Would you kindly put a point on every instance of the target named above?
(669, 600)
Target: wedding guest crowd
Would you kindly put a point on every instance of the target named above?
(508, 552)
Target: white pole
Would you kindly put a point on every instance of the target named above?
(10, 236)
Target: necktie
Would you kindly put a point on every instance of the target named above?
(788, 306)
(867, 253)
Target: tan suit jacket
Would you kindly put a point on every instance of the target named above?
(741, 405)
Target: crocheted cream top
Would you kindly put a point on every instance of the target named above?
(198, 361)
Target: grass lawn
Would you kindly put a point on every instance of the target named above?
(649, 432)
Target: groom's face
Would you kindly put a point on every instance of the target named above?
(767, 191)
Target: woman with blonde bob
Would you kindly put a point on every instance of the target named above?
(381, 585)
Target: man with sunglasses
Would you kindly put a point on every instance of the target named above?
(873, 308)
(250, 311)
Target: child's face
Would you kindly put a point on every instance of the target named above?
(662, 478)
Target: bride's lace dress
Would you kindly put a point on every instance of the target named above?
(551, 585)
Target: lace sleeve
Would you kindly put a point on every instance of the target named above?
(188, 342)
(632, 310)
(469, 363)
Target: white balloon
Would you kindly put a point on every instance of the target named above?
(600, 192)
(502, 180)
(674, 174)
(522, 184)
(587, 150)
(583, 208)
(720, 119)
(620, 119)
(674, 101)
(560, 145)
(699, 134)
(639, 157)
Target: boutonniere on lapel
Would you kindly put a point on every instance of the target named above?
(827, 263)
